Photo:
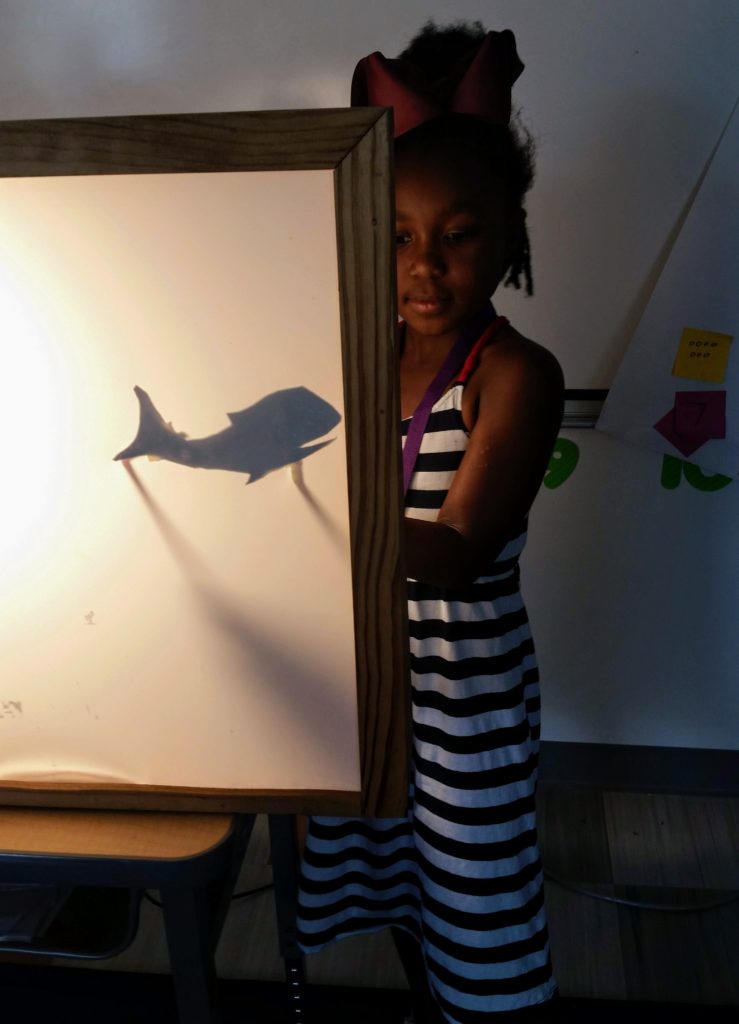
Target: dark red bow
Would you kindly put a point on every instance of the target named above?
(484, 90)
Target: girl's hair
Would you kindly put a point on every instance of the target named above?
(443, 54)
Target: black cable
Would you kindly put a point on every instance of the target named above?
(671, 908)
(252, 892)
(236, 896)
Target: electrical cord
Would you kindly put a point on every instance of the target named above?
(252, 892)
(672, 908)
(236, 896)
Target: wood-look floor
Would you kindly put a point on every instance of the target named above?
(660, 848)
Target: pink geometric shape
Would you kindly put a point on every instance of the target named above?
(701, 413)
(696, 417)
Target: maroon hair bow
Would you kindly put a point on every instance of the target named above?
(484, 90)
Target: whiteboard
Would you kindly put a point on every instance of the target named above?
(696, 291)
(631, 578)
(635, 608)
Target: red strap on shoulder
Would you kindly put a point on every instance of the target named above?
(470, 363)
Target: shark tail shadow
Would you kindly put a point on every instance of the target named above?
(155, 437)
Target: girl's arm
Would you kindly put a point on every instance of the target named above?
(515, 411)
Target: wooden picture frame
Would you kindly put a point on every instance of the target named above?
(355, 147)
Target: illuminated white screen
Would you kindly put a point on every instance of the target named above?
(174, 626)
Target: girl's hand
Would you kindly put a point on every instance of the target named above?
(513, 408)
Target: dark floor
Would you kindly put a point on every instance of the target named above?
(35, 994)
(614, 963)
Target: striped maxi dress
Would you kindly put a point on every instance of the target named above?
(462, 872)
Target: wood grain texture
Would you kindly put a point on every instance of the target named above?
(365, 209)
(656, 849)
(111, 834)
(357, 145)
(664, 839)
(573, 837)
(684, 958)
(120, 797)
(586, 951)
(249, 141)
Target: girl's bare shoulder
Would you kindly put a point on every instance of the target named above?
(513, 353)
(515, 363)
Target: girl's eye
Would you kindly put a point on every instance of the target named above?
(401, 237)
(459, 234)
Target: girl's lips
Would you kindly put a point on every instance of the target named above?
(427, 303)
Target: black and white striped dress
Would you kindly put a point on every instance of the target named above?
(462, 871)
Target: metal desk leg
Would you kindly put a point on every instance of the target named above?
(285, 866)
(223, 889)
(193, 920)
(188, 927)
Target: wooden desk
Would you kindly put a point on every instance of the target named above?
(181, 855)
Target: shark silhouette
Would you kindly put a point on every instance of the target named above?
(261, 438)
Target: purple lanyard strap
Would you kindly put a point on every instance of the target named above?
(453, 362)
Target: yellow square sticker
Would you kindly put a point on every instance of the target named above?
(702, 355)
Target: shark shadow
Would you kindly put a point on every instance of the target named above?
(261, 438)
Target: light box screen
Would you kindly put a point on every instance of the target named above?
(185, 621)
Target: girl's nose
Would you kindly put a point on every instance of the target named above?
(427, 261)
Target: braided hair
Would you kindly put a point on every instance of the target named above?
(443, 53)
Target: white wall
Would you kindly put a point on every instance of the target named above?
(633, 591)
(626, 99)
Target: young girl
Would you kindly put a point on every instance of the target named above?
(459, 880)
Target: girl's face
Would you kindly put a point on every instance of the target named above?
(453, 235)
